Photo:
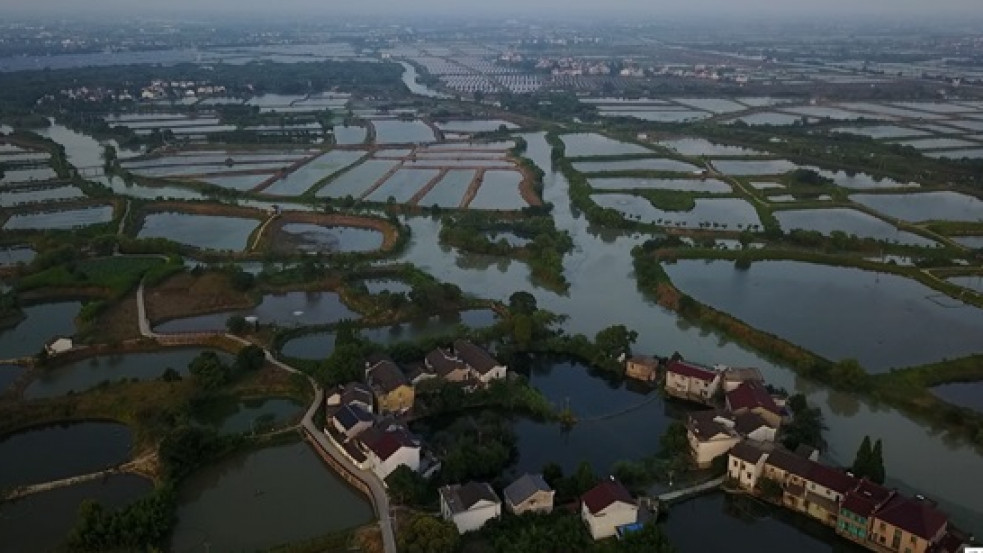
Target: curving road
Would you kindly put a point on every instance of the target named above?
(380, 499)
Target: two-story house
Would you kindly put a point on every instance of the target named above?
(712, 433)
(824, 492)
(447, 366)
(390, 449)
(908, 525)
(746, 462)
(469, 506)
(751, 396)
(606, 507)
(858, 508)
(392, 390)
(529, 494)
(485, 367)
(692, 382)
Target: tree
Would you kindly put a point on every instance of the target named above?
(522, 303)
(250, 358)
(236, 324)
(807, 425)
(877, 473)
(861, 463)
(616, 339)
(426, 534)
(209, 371)
(407, 487)
(674, 442)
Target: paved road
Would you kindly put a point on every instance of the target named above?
(379, 496)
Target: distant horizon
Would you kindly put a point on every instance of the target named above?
(893, 10)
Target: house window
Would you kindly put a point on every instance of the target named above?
(748, 475)
(913, 540)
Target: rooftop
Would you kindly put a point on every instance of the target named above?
(691, 370)
(916, 516)
(605, 494)
(752, 395)
(385, 444)
(386, 376)
(476, 357)
(461, 498)
(749, 451)
(525, 487)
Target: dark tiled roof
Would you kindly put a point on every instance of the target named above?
(789, 462)
(690, 370)
(916, 516)
(462, 498)
(831, 478)
(443, 363)
(477, 358)
(348, 416)
(605, 494)
(705, 424)
(525, 487)
(745, 423)
(751, 395)
(747, 451)
(386, 376)
(356, 392)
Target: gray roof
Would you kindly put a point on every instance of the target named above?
(476, 357)
(386, 376)
(525, 487)
(462, 498)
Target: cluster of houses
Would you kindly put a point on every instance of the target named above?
(742, 424)
(160, 90)
(871, 515)
(608, 509)
(362, 418)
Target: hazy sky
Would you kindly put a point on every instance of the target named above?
(845, 8)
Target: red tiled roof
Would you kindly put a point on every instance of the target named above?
(751, 395)
(866, 498)
(916, 516)
(388, 443)
(831, 478)
(605, 494)
(692, 371)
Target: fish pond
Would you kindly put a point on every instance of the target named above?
(838, 312)
(289, 309)
(210, 232)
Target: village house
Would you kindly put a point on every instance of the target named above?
(606, 507)
(485, 367)
(529, 494)
(824, 491)
(390, 449)
(692, 382)
(353, 393)
(350, 420)
(908, 525)
(752, 397)
(712, 433)
(642, 367)
(746, 462)
(393, 393)
(732, 377)
(447, 366)
(858, 507)
(863, 512)
(469, 506)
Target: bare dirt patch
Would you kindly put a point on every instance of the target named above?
(186, 295)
